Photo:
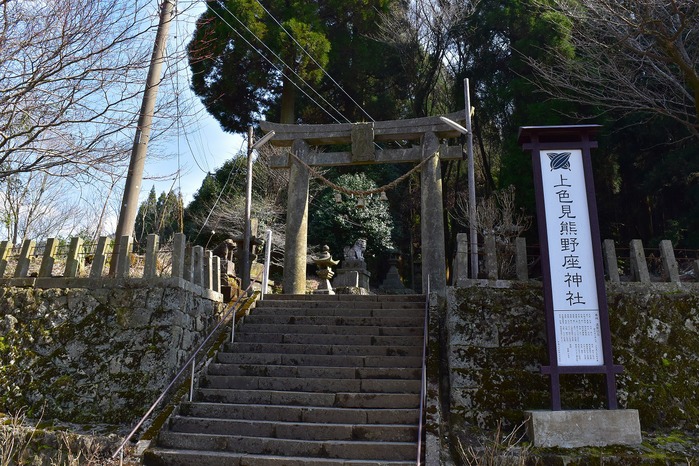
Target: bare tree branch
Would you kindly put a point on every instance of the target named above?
(71, 80)
(630, 56)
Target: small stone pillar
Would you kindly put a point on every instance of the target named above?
(5, 249)
(151, 262)
(461, 259)
(639, 267)
(610, 261)
(216, 274)
(521, 265)
(73, 263)
(100, 258)
(24, 258)
(49, 258)
(178, 253)
(198, 265)
(207, 271)
(124, 259)
(491, 258)
(667, 256)
(324, 262)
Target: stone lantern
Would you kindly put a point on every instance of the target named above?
(324, 261)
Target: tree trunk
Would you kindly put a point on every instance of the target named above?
(288, 100)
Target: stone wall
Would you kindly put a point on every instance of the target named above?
(496, 345)
(101, 353)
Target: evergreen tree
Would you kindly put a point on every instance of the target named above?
(340, 224)
(238, 86)
(160, 215)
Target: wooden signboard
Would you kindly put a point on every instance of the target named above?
(577, 318)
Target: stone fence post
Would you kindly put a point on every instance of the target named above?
(49, 258)
(669, 263)
(73, 262)
(610, 260)
(521, 265)
(198, 265)
(151, 261)
(178, 252)
(100, 259)
(23, 262)
(461, 260)
(639, 267)
(5, 249)
(207, 271)
(124, 259)
(491, 258)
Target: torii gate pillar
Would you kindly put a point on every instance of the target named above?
(432, 218)
(295, 243)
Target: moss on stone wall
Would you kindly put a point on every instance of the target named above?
(497, 345)
(95, 355)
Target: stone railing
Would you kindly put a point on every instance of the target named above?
(631, 265)
(76, 265)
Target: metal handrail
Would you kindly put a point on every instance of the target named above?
(232, 309)
(423, 387)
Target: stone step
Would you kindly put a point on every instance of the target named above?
(345, 306)
(358, 450)
(288, 413)
(345, 297)
(310, 380)
(324, 339)
(419, 298)
(176, 457)
(316, 385)
(295, 430)
(296, 398)
(337, 312)
(334, 320)
(356, 361)
(250, 327)
(342, 372)
(350, 350)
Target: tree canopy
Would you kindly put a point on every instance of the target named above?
(251, 60)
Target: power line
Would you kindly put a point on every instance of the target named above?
(282, 61)
(314, 61)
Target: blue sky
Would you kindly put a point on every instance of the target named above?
(202, 145)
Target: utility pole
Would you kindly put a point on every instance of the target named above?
(473, 232)
(134, 177)
(247, 233)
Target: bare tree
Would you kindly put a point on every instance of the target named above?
(34, 206)
(630, 56)
(71, 76)
(426, 32)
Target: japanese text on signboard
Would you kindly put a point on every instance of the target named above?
(573, 281)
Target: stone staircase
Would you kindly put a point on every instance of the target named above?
(310, 380)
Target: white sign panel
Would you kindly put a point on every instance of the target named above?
(573, 280)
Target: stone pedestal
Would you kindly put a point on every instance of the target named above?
(353, 274)
(583, 428)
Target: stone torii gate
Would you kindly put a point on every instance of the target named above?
(424, 136)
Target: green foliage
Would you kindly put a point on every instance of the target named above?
(340, 224)
(237, 85)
